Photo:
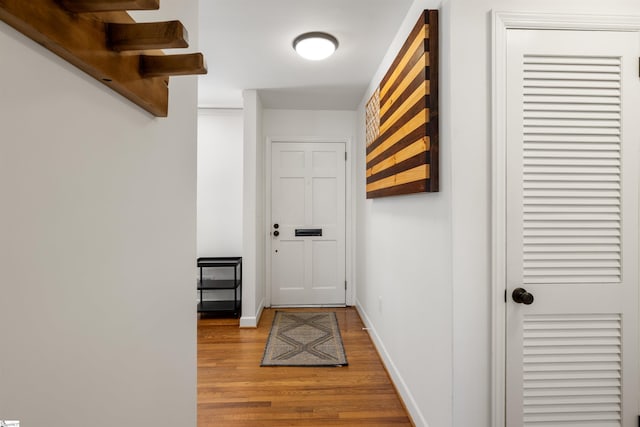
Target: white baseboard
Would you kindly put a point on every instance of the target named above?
(248, 322)
(401, 386)
(252, 321)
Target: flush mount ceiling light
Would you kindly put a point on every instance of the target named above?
(315, 45)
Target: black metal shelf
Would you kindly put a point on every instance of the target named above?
(219, 261)
(221, 307)
(208, 284)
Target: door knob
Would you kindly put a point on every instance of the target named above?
(276, 226)
(276, 233)
(521, 296)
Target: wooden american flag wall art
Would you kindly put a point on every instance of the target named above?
(402, 118)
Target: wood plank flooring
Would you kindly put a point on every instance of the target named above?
(233, 390)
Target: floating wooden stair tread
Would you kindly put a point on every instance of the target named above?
(109, 6)
(88, 40)
(147, 36)
(172, 65)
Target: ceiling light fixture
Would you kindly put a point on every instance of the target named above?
(315, 46)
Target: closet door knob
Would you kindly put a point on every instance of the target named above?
(521, 296)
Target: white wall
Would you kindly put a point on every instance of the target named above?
(253, 211)
(445, 266)
(470, 72)
(308, 124)
(220, 174)
(404, 264)
(97, 238)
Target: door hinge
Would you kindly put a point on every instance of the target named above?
(345, 285)
(345, 156)
(505, 295)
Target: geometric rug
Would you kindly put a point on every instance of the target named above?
(304, 339)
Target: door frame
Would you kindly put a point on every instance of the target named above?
(349, 211)
(502, 22)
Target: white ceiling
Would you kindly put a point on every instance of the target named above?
(247, 45)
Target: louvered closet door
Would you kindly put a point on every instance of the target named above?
(572, 228)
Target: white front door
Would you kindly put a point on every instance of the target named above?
(308, 223)
(573, 139)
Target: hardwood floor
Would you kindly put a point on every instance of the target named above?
(233, 390)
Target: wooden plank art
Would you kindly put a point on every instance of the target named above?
(100, 38)
(402, 151)
(373, 117)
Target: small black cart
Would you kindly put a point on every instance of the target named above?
(224, 307)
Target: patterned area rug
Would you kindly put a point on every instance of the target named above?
(304, 339)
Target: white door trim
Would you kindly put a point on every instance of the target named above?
(502, 22)
(349, 214)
